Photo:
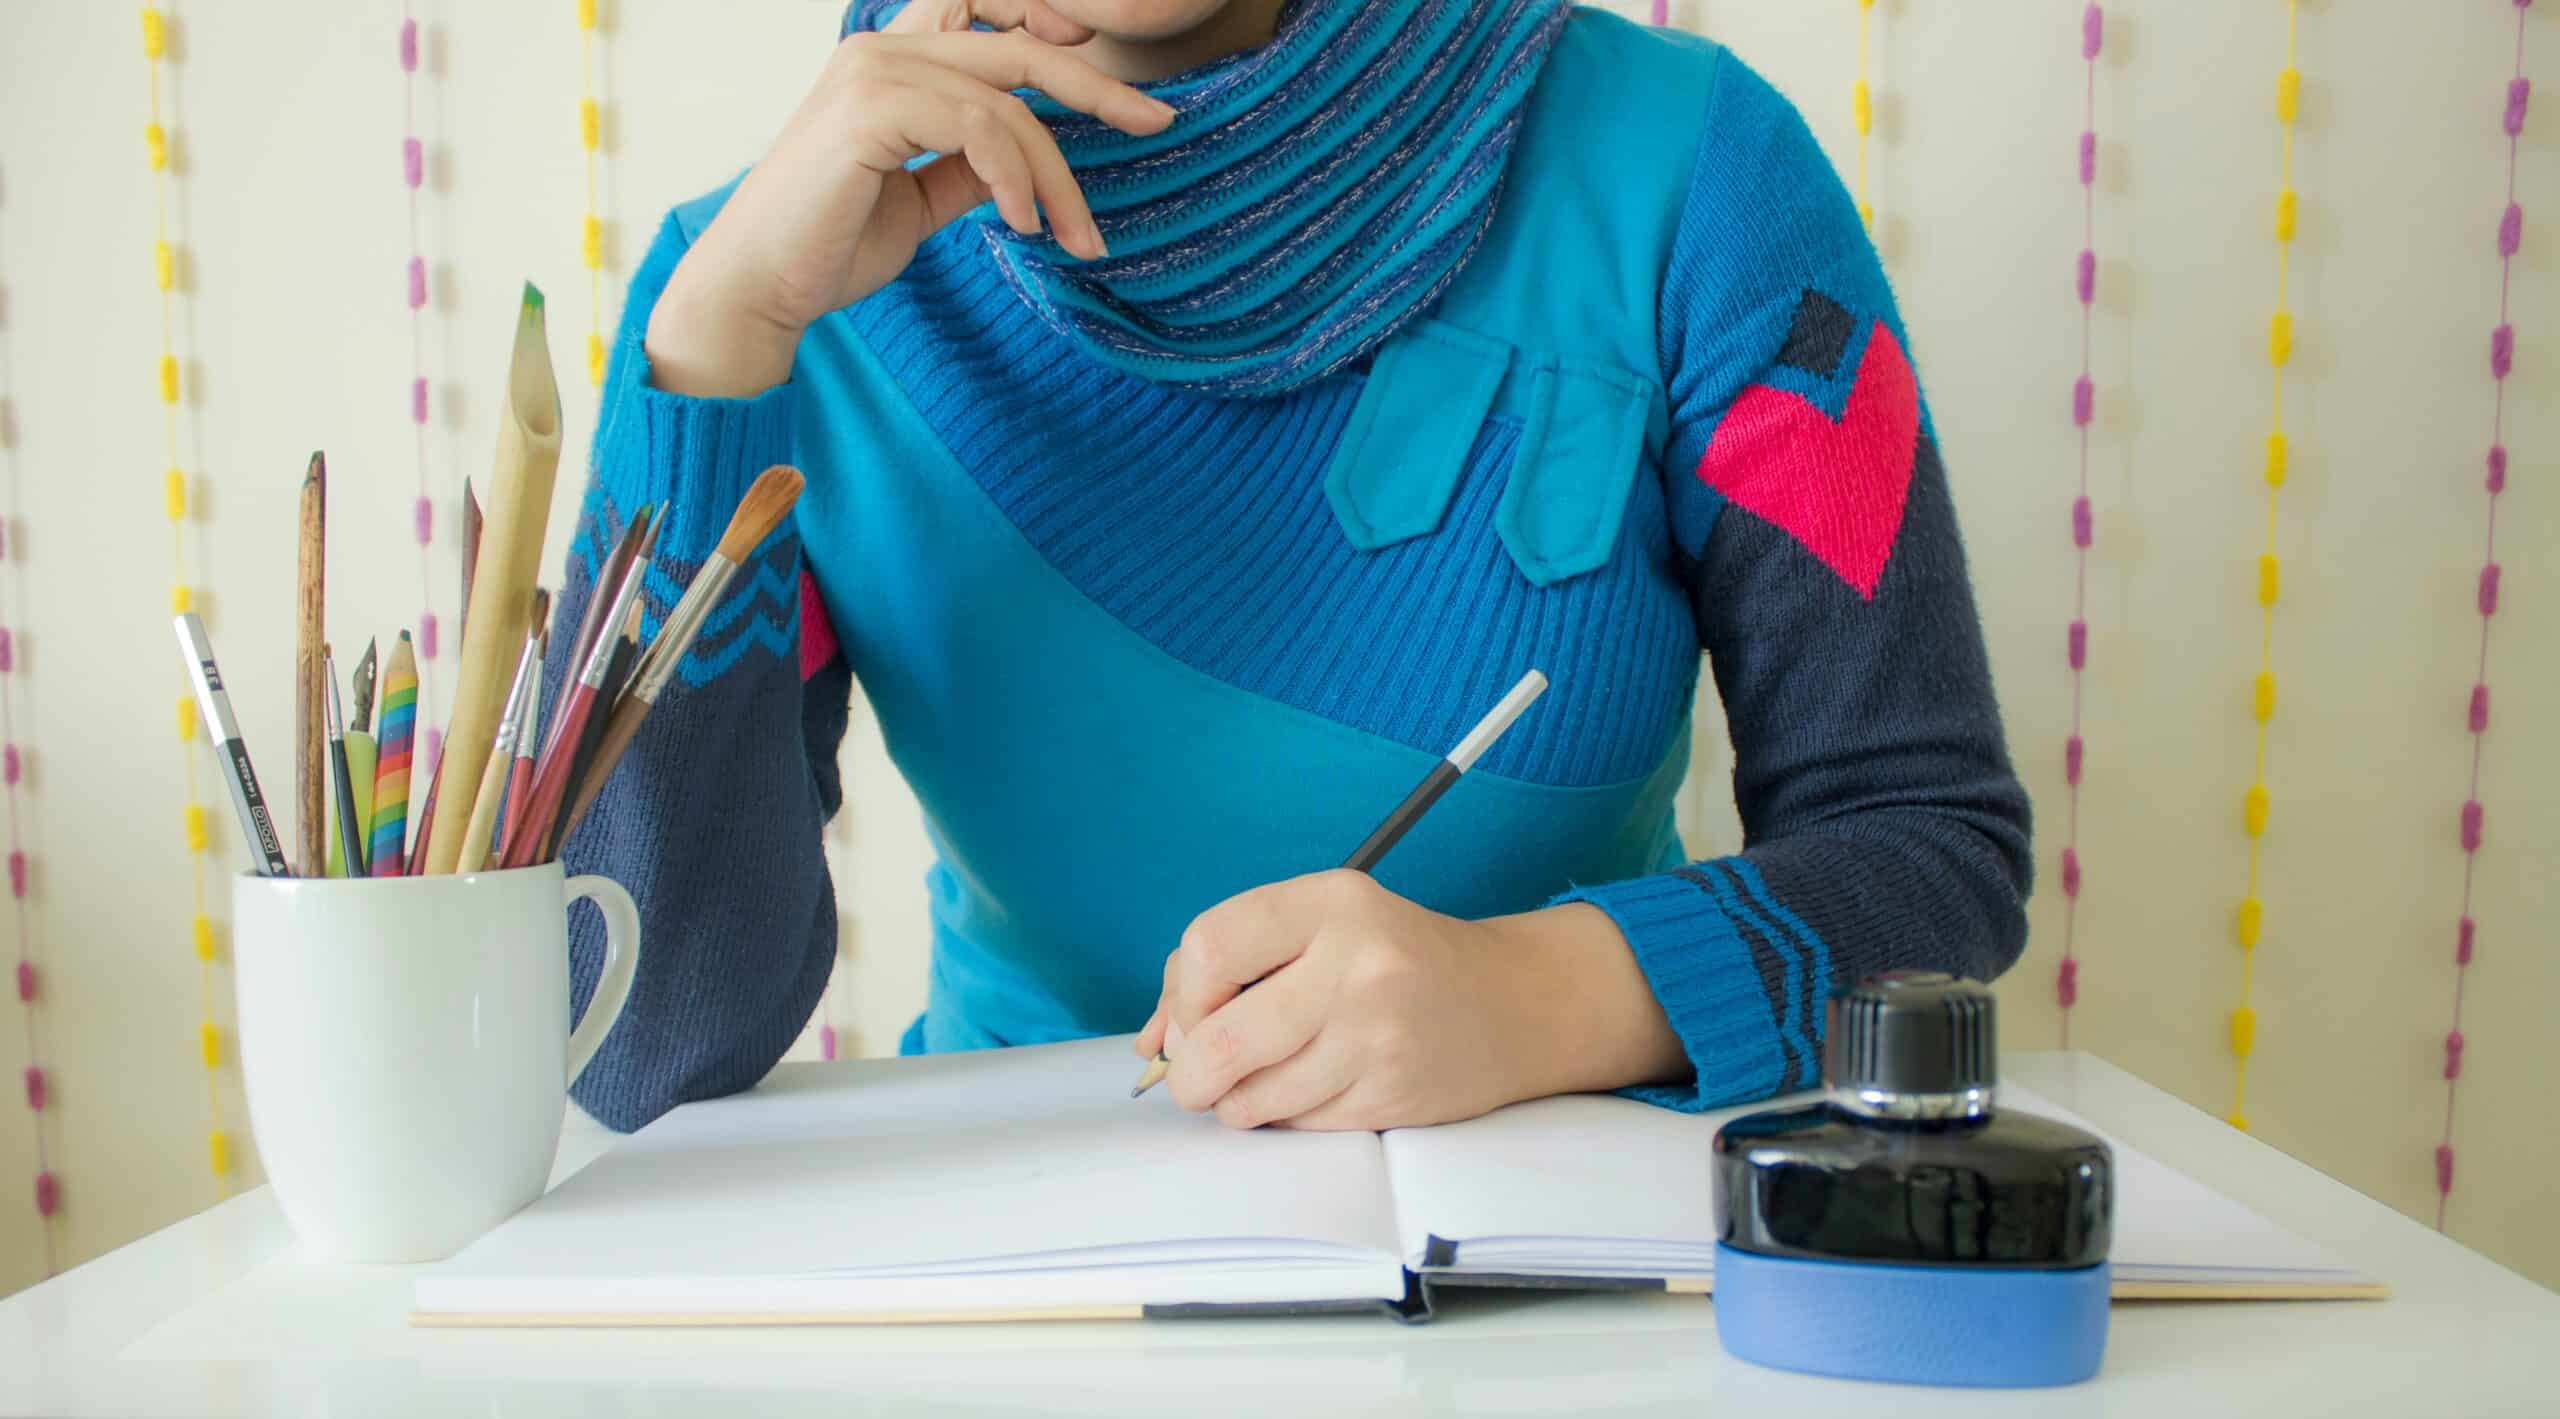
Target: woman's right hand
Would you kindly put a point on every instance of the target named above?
(833, 212)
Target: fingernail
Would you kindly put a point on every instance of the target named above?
(1168, 110)
(1101, 248)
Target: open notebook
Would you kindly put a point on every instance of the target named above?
(1026, 1182)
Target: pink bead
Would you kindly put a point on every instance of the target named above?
(2519, 90)
(8, 651)
(417, 283)
(2079, 645)
(11, 768)
(18, 875)
(422, 517)
(2511, 230)
(2497, 482)
(826, 1042)
(47, 1193)
(2066, 983)
(2088, 157)
(2453, 1055)
(2080, 522)
(2462, 935)
(1661, 13)
(435, 750)
(35, 1089)
(2071, 760)
(413, 162)
(2444, 1167)
(2084, 400)
(427, 634)
(418, 400)
(26, 980)
(2471, 825)
(2488, 593)
(2479, 708)
(2087, 275)
(409, 46)
(2071, 872)
(2502, 350)
(2093, 32)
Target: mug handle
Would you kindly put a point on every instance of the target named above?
(621, 959)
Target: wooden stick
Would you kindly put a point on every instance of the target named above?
(471, 524)
(519, 512)
(310, 677)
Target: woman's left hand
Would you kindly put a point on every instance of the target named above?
(1366, 1010)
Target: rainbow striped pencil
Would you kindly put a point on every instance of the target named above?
(390, 846)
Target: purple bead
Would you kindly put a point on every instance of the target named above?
(26, 981)
(418, 400)
(2071, 872)
(826, 1042)
(409, 46)
(2080, 522)
(2066, 983)
(417, 283)
(2088, 157)
(2489, 590)
(35, 1089)
(2462, 942)
(2479, 708)
(2084, 400)
(2471, 825)
(2093, 32)
(2453, 1054)
(2519, 90)
(427, 634)
(11, 768)
(2071, 755)
(2079, 644)
(413, 162)
(2511, 229)
(422, 517)
(2502, 350)
(47, 1193)
(2497, 468)
(2088, 275)
(18, 874)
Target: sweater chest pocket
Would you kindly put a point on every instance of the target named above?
(1584, 430)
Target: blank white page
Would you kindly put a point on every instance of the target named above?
(946, 1163)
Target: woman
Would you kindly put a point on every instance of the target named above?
(1195, 450)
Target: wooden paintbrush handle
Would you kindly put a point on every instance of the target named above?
(618, 733)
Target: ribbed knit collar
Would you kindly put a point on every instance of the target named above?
(1314, 195)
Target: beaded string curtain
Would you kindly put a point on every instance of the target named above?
(591, 232)
(156, 29)
(2502, 349)
(2253, 804)
(2084, 395)
(413, 176)
(48, 1188)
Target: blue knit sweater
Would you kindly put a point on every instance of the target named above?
(992, 514)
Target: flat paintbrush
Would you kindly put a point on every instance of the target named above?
(767, 502)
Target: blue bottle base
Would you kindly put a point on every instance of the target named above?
(1931, 1325)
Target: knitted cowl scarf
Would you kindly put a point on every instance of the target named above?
(1313, 196)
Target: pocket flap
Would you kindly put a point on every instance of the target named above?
(1580, 446)
(1428, 392)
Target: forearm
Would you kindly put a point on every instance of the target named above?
(1588, 1020)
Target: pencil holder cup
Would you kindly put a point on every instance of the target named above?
(406, 1047)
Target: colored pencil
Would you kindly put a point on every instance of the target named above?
(762, 510)
(214, 703)
(310, 774)
(519, 509)
(349, 842)
(1404, 815)
(493, 779)
(389, 855)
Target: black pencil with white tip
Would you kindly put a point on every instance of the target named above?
(215, 704)
(1379, 843)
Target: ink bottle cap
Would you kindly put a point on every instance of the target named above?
(1907, 1228)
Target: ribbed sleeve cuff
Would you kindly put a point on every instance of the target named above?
(697, 456)
(1703, 972)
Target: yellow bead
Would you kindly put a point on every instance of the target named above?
(1866, 4)
(173, 492)
(195, 827)
(155, 142)
(182, 599)
(164, 265)
(2263, 696)
(168, 379)
(2238, 1121)
(2275, 460)
(209, 1040)
(186, 719)
(2288, 94)
(217, 1151)
(595, 360)
(591, 242)
(2284, 215)
(590, 125)
(2245, 928)
(2244, 1031)
(1866, 216)
(586, 14)
(155, 38)
(2267, 578)
(2253, 810)
(1861, 108)
(2280, 338)
(204, 937)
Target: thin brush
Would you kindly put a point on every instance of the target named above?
(493, 779)
(528, 833)
(617, 679)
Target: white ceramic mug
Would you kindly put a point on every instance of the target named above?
(406, 1047)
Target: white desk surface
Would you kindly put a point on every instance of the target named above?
(215, 1316)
